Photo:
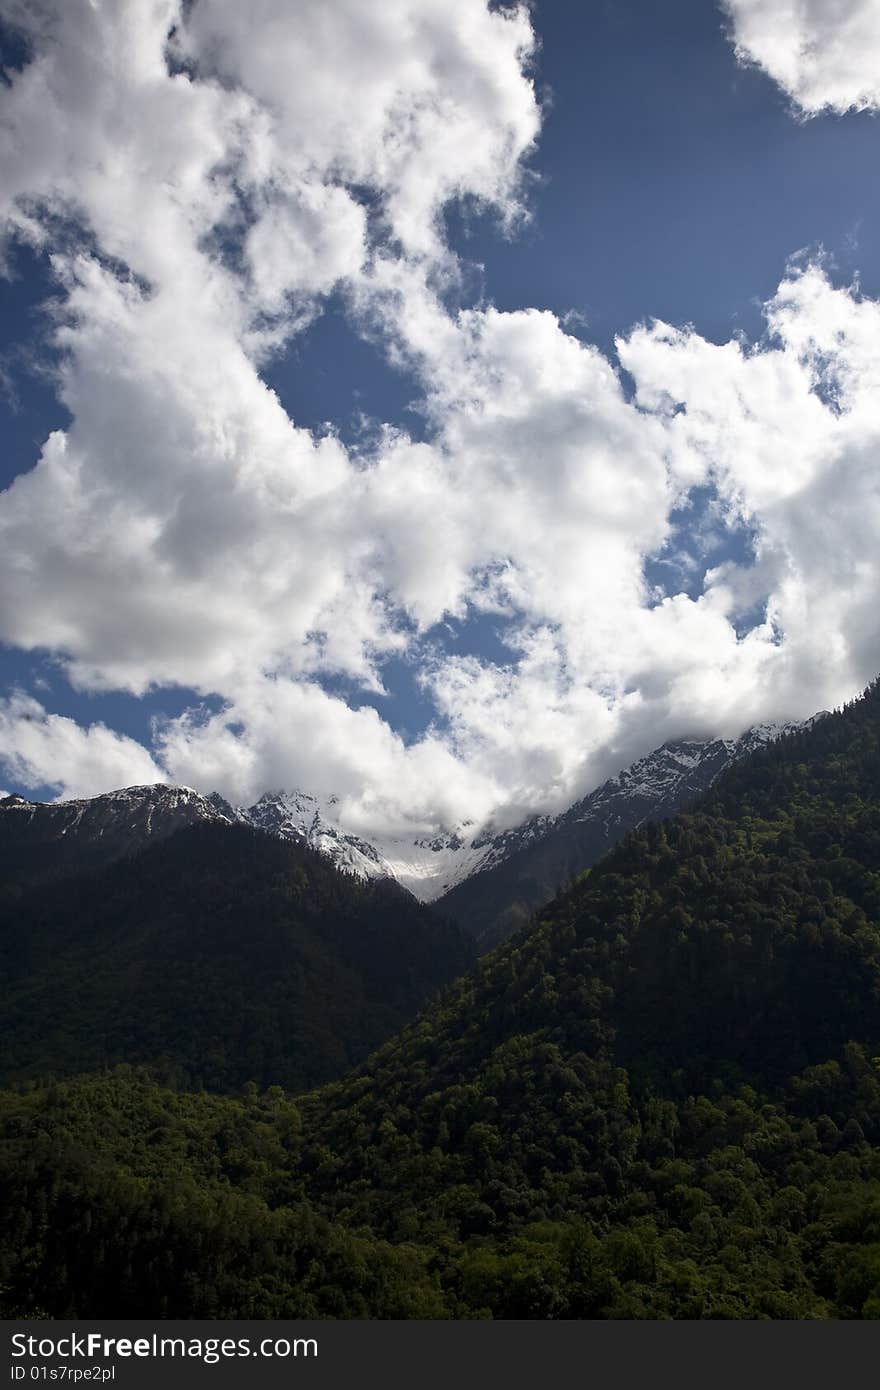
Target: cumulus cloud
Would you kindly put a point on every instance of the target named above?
(790, 435)
(825, 54)
(201, 179)
(419, 100)
(38, 749)
(181, 474)
(275, 726)
(543, 495)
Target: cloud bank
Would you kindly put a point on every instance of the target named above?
(201, 181)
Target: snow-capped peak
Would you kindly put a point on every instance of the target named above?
(297, 815)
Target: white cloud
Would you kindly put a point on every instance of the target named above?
(292, 725)
(305, 244)
(419, 100)
(790, 434)
(184, 530)
(39, 749)
(825, 54)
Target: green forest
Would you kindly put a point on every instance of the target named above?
(661, 1099)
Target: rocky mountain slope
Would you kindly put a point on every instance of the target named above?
(428, 866)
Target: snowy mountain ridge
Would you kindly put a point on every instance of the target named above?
(124, 821)
(675, 770)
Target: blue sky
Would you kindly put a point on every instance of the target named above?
(675, 182)
(668, 181)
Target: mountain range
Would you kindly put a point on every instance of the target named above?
(490, 882)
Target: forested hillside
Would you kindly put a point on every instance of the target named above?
(663, 1100)
(220, 955)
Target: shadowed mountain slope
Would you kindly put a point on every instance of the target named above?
(220, 953)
